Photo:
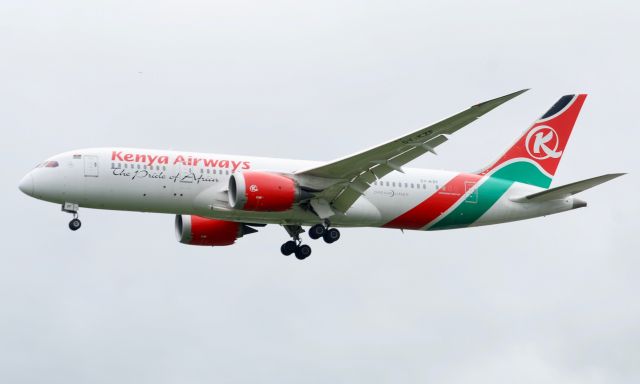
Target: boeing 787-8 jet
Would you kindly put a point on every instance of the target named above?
(220, 198)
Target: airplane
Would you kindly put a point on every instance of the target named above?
(220, 198)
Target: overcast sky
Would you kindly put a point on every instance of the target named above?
(549, 300)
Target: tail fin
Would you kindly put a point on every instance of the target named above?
(534, 158)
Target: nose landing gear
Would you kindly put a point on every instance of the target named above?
(72, 208)
(75, 224)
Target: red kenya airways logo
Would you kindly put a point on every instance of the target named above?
(542, 143)
(187, 160)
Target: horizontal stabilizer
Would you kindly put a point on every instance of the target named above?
(567, 190)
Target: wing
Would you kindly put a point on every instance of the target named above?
(342, 181)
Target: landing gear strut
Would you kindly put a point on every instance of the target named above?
(72, 208)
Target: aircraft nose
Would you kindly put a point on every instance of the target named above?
(26, 184)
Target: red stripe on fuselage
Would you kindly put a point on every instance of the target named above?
(434, 206)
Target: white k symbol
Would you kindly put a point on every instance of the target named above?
(541, 143)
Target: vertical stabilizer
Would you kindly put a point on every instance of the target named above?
(537, 153)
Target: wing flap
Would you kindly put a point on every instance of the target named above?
(345, 200)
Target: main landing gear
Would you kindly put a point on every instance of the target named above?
(295, 246)
(302, 251)
(72, 208)
(329, 235)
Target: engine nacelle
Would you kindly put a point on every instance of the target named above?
(196, 230)
(263, 192)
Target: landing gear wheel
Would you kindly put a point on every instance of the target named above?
(316, 231)
(75, 224)
(302, 252)
(331, 235)
(288, 248)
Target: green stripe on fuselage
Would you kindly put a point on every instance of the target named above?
(490, 191)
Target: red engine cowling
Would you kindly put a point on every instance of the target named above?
(196, 230)
(262, 192)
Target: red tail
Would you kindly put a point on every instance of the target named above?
(545, 141)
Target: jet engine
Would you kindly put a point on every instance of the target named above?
(196, 230)
(263, 192)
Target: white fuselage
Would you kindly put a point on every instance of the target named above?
(196, 183)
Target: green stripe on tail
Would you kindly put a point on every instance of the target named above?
(490, 191)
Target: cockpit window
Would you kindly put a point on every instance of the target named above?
(48, 164)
